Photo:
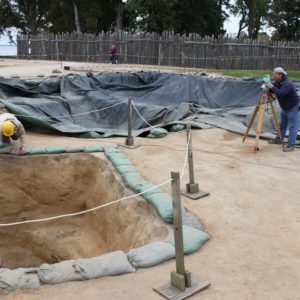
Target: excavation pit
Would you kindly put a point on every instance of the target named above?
(35, 187)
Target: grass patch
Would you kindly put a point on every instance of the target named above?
(293, 75)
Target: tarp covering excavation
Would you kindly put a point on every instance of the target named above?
(161, 98)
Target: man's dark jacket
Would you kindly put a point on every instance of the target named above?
(286, 93)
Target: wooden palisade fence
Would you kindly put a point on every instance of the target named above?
(168, 49)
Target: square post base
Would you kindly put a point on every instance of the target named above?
(192, 191)
(171, 293)
(129, 143)
(129, 147)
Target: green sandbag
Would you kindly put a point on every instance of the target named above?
(93, 148)
(158, 132)
(132, 179)
(112, 150)
(4, 145)
(126, 169)
(116, 155)
(193, 239)
(144, 186)
(177, 127)
(6, 150)
(151, 136)
(74, 149)
(55, 150)
(37, 151)
(162, 203)
(247, 78)
(120, 161)
(92, 135)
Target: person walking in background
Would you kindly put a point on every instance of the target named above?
(113, 54)
(289, 101)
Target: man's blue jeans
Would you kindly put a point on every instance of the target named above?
(289, 119)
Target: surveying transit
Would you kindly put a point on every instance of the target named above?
(264, 100)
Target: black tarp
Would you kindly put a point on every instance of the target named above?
(161, 98)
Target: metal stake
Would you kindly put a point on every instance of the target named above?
(192, 188)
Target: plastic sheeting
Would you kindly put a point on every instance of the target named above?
(161, 98)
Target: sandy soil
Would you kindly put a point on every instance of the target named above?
(253, 214)
(30, 69)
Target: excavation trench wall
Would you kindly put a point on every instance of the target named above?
(41, 186)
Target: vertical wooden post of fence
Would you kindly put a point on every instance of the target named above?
(183, 284)
(129, 142)
(57, 48)
(160, 51)
(192, 188)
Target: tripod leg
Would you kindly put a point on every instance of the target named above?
(276, 121)
(252, 118)
(260, 124)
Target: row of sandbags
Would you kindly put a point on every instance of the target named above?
(194, 235)
(110, 264)
(114, 263)
(10, 149)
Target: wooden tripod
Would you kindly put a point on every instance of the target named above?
(260, 108)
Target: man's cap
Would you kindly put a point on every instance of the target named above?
(280, 70)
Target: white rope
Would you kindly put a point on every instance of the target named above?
(84, 211)
(153, 127)
(74, 115)
(103, 205)
(186, 154)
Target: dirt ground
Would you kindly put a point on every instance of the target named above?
(252, 213)
(30, 69)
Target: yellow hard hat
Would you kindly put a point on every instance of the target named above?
(8, 128)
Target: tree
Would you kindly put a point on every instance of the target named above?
(205, 17)
(285, 17)
(253, 14)
(25, 15)
(119, 14)
(152, 15)
(33, 16)
(77, 22)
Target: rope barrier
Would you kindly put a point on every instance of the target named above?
(135, 108)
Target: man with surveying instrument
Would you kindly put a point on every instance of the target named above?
(289, 102)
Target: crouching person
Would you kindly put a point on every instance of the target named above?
(12, 128)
